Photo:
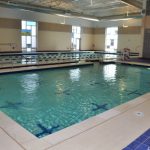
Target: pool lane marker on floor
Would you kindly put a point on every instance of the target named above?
(95, 83)
(135, 92)
(11, 105)
(45, 131)
(99, 106)
(141, 143)
(98, 83)
(147, 83)
(120, 77)
(66, 92)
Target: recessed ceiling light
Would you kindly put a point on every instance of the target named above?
(87, 18)
(120, 19)
(63, 15)
(73, 16)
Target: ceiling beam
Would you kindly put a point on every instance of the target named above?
(134, 3)
(135, 15)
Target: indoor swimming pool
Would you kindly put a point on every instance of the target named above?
(44, 102)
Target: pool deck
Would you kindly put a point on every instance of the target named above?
(137, 63)
(42, 67)
(111, 130)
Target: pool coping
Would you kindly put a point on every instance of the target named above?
(134, 63)
(63, 65)
(43, 67)
(27, 140)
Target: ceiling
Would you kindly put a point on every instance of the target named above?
(97, 9)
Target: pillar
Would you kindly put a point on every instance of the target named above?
(146, 31)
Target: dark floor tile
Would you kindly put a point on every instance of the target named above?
(142, 147)
(147, 133)
(147, 142)
(127, 148)
(142, 138)
(134, 144)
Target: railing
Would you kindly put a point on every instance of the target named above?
(43, 58)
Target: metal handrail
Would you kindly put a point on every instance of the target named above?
(36, 58)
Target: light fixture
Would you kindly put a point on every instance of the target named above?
(127, 12)
(120, 19)
(74, 16)
(87, 18)
(64, 15)
(125, 26)
(91, 2)
(64, 21)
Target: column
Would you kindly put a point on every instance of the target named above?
(146, 28)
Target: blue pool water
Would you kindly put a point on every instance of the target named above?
(46, 101)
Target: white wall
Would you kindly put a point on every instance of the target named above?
(99, 41)
(86, 41)
(132, 41)
(50, 40)
(9, 36)
(130, 22)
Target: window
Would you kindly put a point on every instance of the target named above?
(29, 36)
(76, 38)
(111, 43)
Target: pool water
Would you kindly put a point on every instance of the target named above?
(46, 101)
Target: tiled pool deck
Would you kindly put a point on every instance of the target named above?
(30, 68)
(142, 60)
(135, 63)
(114, 129)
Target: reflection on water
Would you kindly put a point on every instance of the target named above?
(122, 85)
(30, 82)
(110, 72)
(59, 88)
(74, 74)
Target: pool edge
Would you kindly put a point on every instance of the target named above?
(44, 67)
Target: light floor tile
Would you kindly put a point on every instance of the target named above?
(62, 135)
(7, 143)
(36, 145)
(109, 114)
(20, 134)
(14, 129)
(134, 63)
(89, 123)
